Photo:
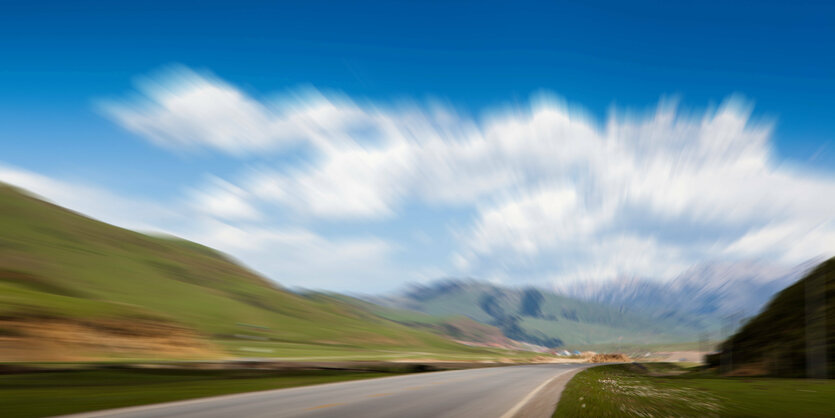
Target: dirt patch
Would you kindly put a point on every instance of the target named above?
(756, 369)
(47, 339)
(609, 358)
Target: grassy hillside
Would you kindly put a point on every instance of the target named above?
(798, 322)
(541, 317)
(72, 287)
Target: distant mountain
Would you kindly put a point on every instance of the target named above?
(704, 296)
(538, 316)
(75, 288)
(796, 329)
(456, 327)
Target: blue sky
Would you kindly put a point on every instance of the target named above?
(730, 102)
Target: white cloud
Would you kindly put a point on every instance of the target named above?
(540, 183)
(791, 242)
(185, 109)
(351, 183)
(190, 109)
(224, 200)
(295, 256)
(619, 255)
(532, 223)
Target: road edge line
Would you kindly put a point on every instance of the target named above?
(516, 408)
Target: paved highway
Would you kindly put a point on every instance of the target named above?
(500, 392)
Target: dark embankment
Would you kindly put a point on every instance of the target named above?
(794, 336)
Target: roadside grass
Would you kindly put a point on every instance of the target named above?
(667, 389)
(73, 391)
(306, 351)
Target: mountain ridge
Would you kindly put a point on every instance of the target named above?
(696, 304)
(534, 315)
(707, 292)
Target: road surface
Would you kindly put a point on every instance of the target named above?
(499, 392)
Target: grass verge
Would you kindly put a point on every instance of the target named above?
(54, 393)
(666, 389)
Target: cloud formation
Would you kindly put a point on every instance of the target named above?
(291, 255)
(186, 109)
(547, 192)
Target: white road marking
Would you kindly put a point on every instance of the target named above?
(512, 412)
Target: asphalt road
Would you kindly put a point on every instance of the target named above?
(499, 392)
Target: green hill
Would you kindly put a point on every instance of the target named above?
(75, 288)
(798, 323)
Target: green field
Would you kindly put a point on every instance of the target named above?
(666, 389)
(53, 393)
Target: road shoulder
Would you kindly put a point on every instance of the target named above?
(545, 401)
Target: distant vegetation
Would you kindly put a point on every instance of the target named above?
(797, 326)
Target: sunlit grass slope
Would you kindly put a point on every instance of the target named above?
(61, 269)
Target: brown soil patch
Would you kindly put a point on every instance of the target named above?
(609, 358)
(756, 369)
(49, 339)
